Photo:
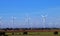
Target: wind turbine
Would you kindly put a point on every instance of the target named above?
(28, 20)
(13, 20)
(0, 21)
(44, 20)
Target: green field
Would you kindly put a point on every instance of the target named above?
(33, 34)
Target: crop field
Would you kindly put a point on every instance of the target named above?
(33, 34)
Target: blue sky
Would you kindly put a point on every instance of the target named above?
(33, 8)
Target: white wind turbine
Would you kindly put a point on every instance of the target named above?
(13, 21)
(27, 20)
(0, 21)
(44, 20)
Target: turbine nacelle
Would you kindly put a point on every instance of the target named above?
(44, 15)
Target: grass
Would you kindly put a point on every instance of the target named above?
(32, 34)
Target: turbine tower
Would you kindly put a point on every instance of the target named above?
(44, 20)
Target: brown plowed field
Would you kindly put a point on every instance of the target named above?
(29, 30)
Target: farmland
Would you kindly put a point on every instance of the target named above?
(54, 32)
(33, 34)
